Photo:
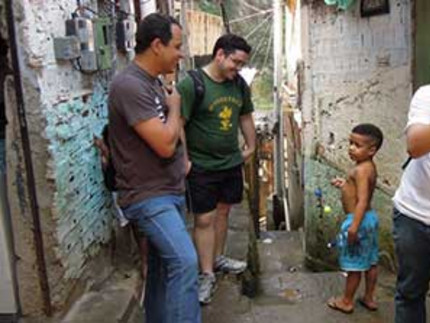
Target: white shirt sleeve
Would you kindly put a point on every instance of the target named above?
(419, 111)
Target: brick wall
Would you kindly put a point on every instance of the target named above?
(65, 110)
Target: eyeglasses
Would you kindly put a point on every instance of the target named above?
(239, 63)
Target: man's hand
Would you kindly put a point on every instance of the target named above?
(247, 154)
(352, 235)
(173, 98)
(188, 165)
(338, 182)
(248, 130)
(104, 151)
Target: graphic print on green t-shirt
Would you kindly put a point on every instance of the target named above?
(212, 128)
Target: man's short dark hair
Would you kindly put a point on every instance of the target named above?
(154, 26)
(229, 43)
(371, 131)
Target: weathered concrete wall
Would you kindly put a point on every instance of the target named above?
(292, 113)
(3, 64)
(356, 70)
(65, 109)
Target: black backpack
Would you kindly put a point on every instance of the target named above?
(109, 172)
(199, 89)
(199, 86)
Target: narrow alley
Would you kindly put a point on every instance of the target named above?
(277, 287)
(277, 118)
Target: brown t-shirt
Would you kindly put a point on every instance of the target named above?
(135, 96)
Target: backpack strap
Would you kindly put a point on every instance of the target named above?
(199, 87)
(240, 81)
(406, 162)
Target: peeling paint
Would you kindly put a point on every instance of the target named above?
(358, 70)
(82, 204)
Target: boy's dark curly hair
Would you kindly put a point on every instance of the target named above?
(371, 131)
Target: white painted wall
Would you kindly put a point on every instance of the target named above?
(358, 70)
(355, 70)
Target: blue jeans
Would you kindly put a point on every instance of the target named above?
(171, 294)
(412, 242)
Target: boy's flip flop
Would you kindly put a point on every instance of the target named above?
(333, 303)
(368, 307)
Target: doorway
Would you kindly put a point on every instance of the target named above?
(8, 291)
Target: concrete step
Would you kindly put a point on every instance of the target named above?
(291, 293)
(114, 302)
(228, 304)
(280, 252)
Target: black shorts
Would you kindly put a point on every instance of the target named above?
(205, 189)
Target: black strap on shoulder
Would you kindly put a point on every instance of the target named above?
(241, 83)
(406, 163)
(199, 87)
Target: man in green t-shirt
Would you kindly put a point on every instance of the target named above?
(211, 127)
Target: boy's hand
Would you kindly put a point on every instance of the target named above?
(338, 182)
(352, 235)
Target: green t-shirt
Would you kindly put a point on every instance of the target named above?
(212, 129)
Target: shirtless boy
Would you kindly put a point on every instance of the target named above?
(358, 237)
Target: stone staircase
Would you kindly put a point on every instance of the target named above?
(283, 289)
(290, 293)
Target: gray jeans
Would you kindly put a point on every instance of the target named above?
(412, 242)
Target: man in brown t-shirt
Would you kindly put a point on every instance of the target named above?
(145, 128)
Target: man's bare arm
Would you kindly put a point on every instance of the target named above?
(248, 130)
(163, 137)
(418, 140)
(184, 143)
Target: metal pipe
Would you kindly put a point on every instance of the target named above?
(224, 17)
(31, 184)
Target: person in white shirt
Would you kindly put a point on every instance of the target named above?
(412, 215)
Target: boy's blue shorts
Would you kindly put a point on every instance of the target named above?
(364, 253)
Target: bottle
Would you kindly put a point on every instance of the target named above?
(341, 240)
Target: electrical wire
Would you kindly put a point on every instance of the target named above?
(85, 8)
(127, 14)
(250, 16)
(249, 6)
(269, 45)
(76, 64)
(258, 26)
(260, 43)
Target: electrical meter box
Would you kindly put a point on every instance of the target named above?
(83, 29)
(103, 40)
(127, 6)
(125, 31)
(67, 48)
